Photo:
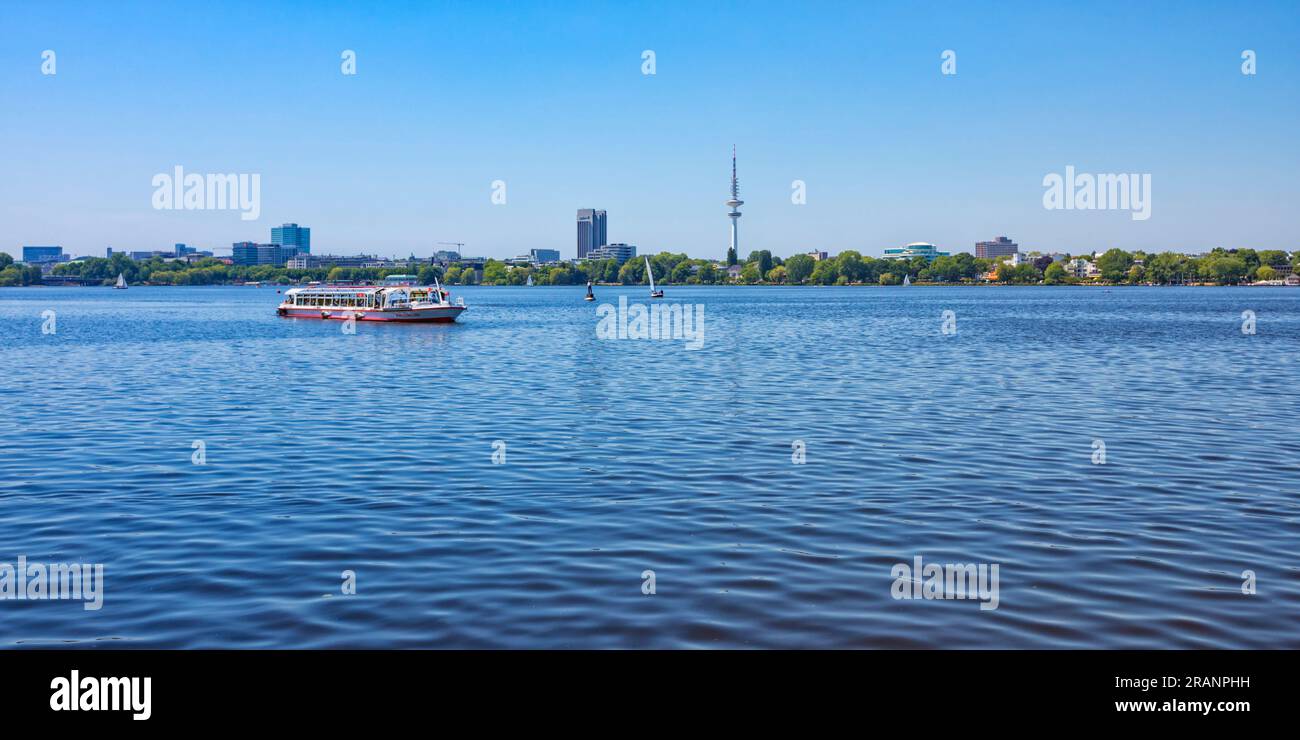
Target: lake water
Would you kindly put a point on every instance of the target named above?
(373, 453)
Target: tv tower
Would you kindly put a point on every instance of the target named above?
(735, 203)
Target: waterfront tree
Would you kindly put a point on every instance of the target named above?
(850, 266)
(825, 272)
(798, 268)
(1114, 265)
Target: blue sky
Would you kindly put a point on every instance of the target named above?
(550, 98)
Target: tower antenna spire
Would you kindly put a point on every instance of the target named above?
(735, 203)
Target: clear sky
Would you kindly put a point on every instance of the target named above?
(550, 98)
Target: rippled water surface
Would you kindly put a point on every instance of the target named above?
(373, 452)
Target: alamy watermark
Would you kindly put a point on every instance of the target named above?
(1105, 192)
(53, 581)
(682, 321)
(211, 192)
(919, 580)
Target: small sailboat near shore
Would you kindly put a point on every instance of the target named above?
(907, 280)
(590, 296)
(651, 274)
(530, 281)
(121, 282)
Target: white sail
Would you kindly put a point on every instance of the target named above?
(121, 280)
(530, 280)
(907, 280)
(650, 273)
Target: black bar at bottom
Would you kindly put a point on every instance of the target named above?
(211, 689)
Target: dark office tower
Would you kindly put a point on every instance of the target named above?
(591, 230)
(1000, 247)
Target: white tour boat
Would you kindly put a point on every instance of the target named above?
(392, 301)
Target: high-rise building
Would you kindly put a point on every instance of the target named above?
(591, 230)
(252, 253)
(37, 255)
(293, 237)
(181, 250)
(1000, 247)
(735, 203)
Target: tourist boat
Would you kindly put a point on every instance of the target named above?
(121, 282)
(590, 296)
(392, 301)
(651, 274)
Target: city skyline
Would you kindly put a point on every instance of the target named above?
(405, 153)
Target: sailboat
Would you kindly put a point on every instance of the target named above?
(651, 274)
(530, 281)
(907, 280)
(121, 282)
(590, 296)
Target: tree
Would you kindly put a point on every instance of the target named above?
(777, 274)
(632, 272)
(1135, 274)
(731, 256)
(494, 273)
(428, 273)
(1223, 269)
(798, 268)
(5, 260)
(763, 258)
(1114, 264)
(1272, 257)
(850, 266)
(889, 278)
(825, 272)
(1265, 272)
(750, 274)
(1054, 274)
(1042, 262)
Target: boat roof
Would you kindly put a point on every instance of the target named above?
(350, 288)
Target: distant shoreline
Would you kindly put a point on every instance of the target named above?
(710, 285)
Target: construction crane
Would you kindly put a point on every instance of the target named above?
(457, 245)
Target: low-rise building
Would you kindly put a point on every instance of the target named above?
(252, 253)
(915, 249)
(1082, 268)
(544, 256)
(618, 252)
(36, 255)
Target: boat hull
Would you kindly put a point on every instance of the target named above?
(437, 315)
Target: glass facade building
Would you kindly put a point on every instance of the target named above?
(915, 249)
(36, 255)
(292, 237)
(252, 253)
